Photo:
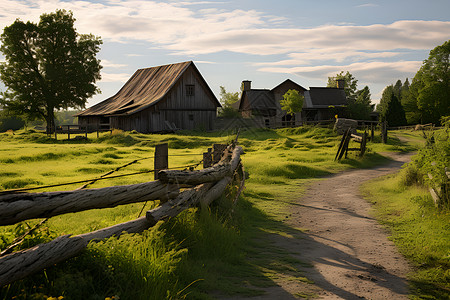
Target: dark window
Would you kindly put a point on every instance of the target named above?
(190, 90)
(191, 117)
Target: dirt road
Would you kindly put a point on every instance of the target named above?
(350, 253)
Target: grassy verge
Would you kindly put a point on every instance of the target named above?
(419, 230)
(199, 254)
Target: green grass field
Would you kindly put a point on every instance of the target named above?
(419, 230)
(198, 255)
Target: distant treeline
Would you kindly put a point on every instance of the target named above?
(7, 122)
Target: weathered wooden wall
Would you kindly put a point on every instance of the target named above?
(186, 112)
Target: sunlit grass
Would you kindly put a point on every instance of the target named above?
(419, 230)
(197, 253)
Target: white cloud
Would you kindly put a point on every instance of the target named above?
(108, 64)
(368, 5)
(177, 27)
(205, 62)
(115, 77)
(182, 28)
(399, 35)
(376, 72)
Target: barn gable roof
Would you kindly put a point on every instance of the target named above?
(259, 99)
(323, 97)
(288, 81)
(145, 88)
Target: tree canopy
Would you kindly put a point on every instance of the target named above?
(390, 108)
(358, 101)
(227, 99)
(351, 84)
(292, 102)
(429, 97)
(48, 66)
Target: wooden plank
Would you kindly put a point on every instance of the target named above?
(340, 145)
(23, 206)
(211, 174)
(161, 158)
(23, 263)
(207, 158)
(363, 144)
(218, 150)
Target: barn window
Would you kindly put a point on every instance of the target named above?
(190, 90)
(191, 117)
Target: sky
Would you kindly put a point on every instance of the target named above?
(264, 41)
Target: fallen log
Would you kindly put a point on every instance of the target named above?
(215, 192)
(23, 206)
(195, 177)
(23, 263)
(172, 208)
(212, 174)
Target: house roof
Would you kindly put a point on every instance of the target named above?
(288, 81)
(145, 88)
(323, 97)
(258, 99)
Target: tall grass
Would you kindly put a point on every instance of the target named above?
(419, 230)
(197, 255)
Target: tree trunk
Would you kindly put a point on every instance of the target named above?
(50, 119)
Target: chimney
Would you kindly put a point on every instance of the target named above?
(340, 83)
(246, 85)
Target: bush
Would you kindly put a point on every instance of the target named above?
(410, 175)
(432, 162)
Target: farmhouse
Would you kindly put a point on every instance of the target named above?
(158, 99)
(323, 103)
(264, 105)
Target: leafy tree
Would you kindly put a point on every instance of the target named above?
(359, 103)
(8, 122)
(49, 66)
(227, 99)
(404, 94)
(350, 87)
(398, 89)
(292, 102)
(391, 110)
(430, 88)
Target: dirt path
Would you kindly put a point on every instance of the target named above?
(350, 252)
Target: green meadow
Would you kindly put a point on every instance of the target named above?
(200, 254)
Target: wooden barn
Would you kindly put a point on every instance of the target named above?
(158, 99)
(263, 105)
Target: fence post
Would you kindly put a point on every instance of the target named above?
(161, 158)
(217, 152)
(384, 132)
(68, 132)
(372, 132)
(207, 158)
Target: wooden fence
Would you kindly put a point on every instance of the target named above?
(345, 141)
(177, 190)
(80, 129)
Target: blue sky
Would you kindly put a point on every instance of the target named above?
(262, 41)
